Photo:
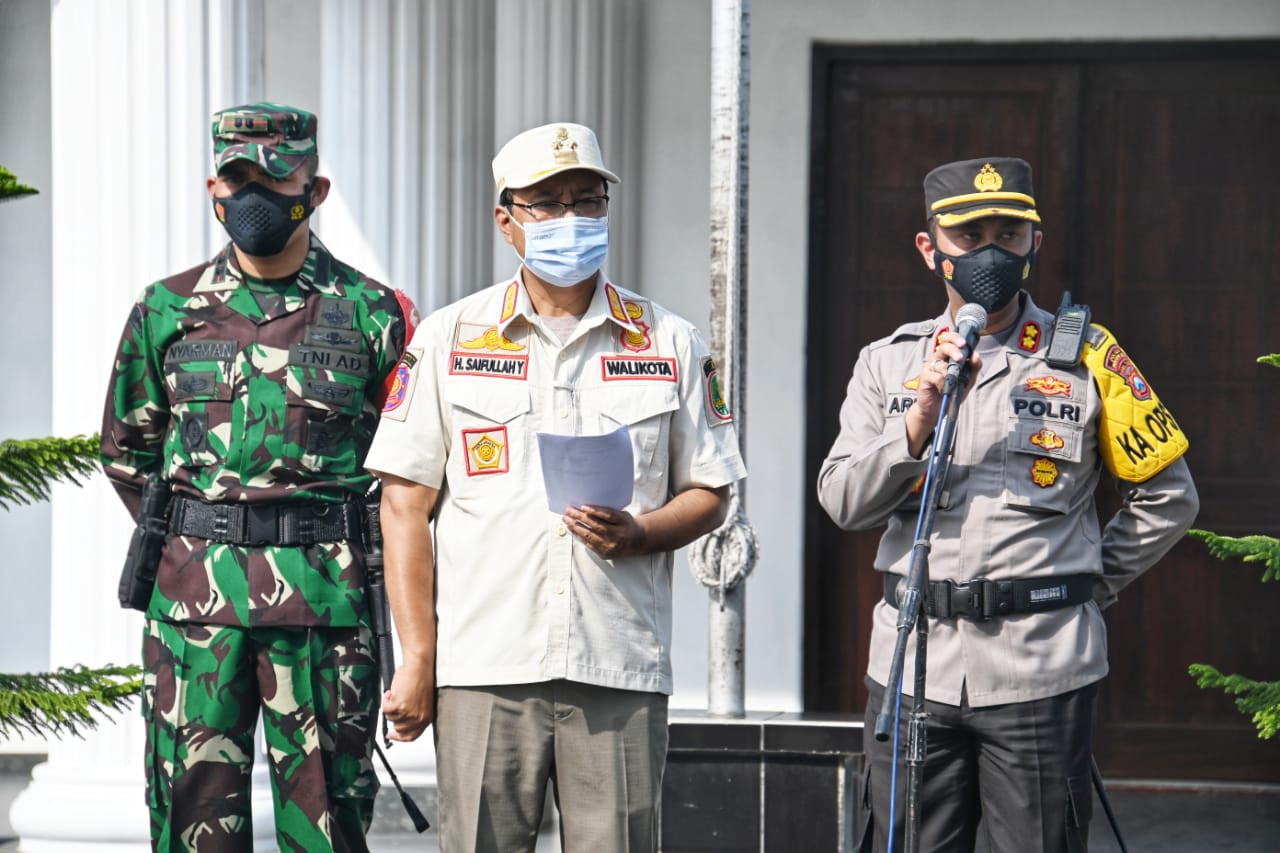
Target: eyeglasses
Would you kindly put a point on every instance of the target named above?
(593, 207)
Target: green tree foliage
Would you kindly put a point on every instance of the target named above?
(69, 700)
(28, 467)
(10, 188)
(64, 702)
(1259, 699)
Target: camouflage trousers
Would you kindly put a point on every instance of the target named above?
(317, 689)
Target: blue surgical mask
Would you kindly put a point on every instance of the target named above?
(565, 251)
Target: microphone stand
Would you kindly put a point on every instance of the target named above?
(911, 614)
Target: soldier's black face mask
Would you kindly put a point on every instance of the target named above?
(990, 276)
(259, 220)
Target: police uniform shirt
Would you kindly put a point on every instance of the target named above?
(519, 598)
(1018, 502)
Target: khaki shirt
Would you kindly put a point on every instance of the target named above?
(519, 598)
(1018, 502)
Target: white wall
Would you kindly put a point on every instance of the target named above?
(674, 240)
(26, 323)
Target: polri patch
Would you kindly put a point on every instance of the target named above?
(615, 367)
(716, 405)
(486, 450)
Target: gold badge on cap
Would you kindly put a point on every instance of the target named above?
(564, 149)
(988, 180)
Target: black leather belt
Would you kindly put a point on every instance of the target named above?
(981, 599)
(264, 524)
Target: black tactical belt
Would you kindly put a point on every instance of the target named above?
(981, 599)
(264, 524)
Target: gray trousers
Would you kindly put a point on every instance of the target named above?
(602, 749)
(1010, 778)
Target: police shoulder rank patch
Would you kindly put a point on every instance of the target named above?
(486, 450)
(1137, 436)
(717, 407)
(1029, 337)
(400, 386)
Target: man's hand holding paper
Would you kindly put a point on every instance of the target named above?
(589, 480)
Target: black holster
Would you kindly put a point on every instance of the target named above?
(376, 587)
(138, 577)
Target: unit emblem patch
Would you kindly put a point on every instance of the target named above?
(636, 340)
(1117, 361)
(716, 405)
(401, 381)
(1044, 472)
(1048, 439)
(486, 450)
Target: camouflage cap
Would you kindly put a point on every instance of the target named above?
(276, 137)
(971, 189)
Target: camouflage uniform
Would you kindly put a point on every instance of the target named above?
(250, 393)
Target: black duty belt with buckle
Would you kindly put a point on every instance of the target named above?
(982, 599)
(264, 524)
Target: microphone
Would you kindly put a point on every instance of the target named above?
(971, 319)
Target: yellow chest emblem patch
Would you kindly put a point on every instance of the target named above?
(1044, 472)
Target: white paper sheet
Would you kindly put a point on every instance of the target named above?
(587, 469)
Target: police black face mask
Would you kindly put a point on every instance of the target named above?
(990, 276)
(259, 220)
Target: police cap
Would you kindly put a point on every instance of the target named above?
(971, 189)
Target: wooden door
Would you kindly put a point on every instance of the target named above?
(1159, 188)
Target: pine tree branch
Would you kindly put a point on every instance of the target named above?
(64, 702)
(10, 188)
(1251, 549)
(1261, 699)
(29, 467)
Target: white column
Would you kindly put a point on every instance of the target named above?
(577, 61)
(406, 141)
(134, 83)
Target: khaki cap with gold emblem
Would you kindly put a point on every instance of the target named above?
(971, 189)
(544, 151)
